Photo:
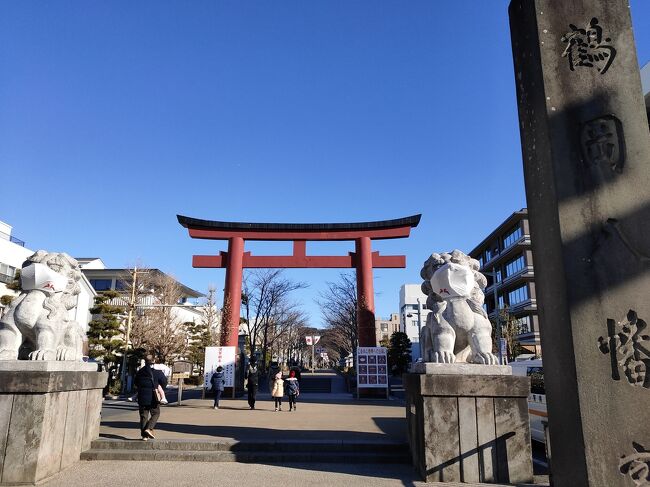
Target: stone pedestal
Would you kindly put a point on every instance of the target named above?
(469, 423)
(49, 414)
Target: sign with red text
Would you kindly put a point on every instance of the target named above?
(219, 356)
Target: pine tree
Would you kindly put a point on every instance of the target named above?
(200, 337)
(105, 336)
(399, 352)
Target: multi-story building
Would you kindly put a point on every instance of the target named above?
(103, 279)
(413, 314)
(12, 255)
(385, 328)
(506, 259)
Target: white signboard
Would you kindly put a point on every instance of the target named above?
(372, 367)
(219, 356)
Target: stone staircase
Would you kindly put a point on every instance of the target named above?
(316, 384)
(283, 451)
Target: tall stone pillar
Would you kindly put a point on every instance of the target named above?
(232, 293)
(365, 294)
(586, 154)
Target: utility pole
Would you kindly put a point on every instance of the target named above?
(129, 320)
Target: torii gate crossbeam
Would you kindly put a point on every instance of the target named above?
(363, 259)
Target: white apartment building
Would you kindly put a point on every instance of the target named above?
(412, 314)
(12, 255)
(102, 278)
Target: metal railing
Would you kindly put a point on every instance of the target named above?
(17, 241)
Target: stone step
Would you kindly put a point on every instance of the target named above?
(246, 456)
(284, 446)
(316, 384)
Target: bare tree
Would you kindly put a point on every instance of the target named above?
(267, 307)
(157, 326)
(286, 337)
(211, 316)
(338, 305)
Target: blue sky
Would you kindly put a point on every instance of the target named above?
(115, 116)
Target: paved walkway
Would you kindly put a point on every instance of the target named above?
(319, 416)
(196, 474)
(335, 416)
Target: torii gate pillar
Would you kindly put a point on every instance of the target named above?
(232, 292)
(365, 294)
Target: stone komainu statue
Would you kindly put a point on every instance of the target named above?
(457, 329)
(36, 324)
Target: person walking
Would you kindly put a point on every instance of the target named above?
(147, 380)
(293, 389)
(217, 382)
(278, 390)
(252, 381)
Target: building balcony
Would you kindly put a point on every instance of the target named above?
(525, 273)
(17, 241)
(529, 304)
(524, 241)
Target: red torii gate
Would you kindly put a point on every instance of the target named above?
(236, 259)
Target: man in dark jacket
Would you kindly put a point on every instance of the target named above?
(147, 380)
(252, 376)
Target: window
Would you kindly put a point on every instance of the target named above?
(498, 275)
(7, 273)
(7, 270)
(384, 327)
(480, 261)
(502, 302)
(492, 251)
(524, 324)
(518, 295)
(513, 236)
(515, 266)
(101, 284)
(120, 285)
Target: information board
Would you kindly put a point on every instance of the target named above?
(219, 356)
(372, 367)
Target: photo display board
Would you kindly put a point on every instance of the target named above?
(372, 367)
(216, 356)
